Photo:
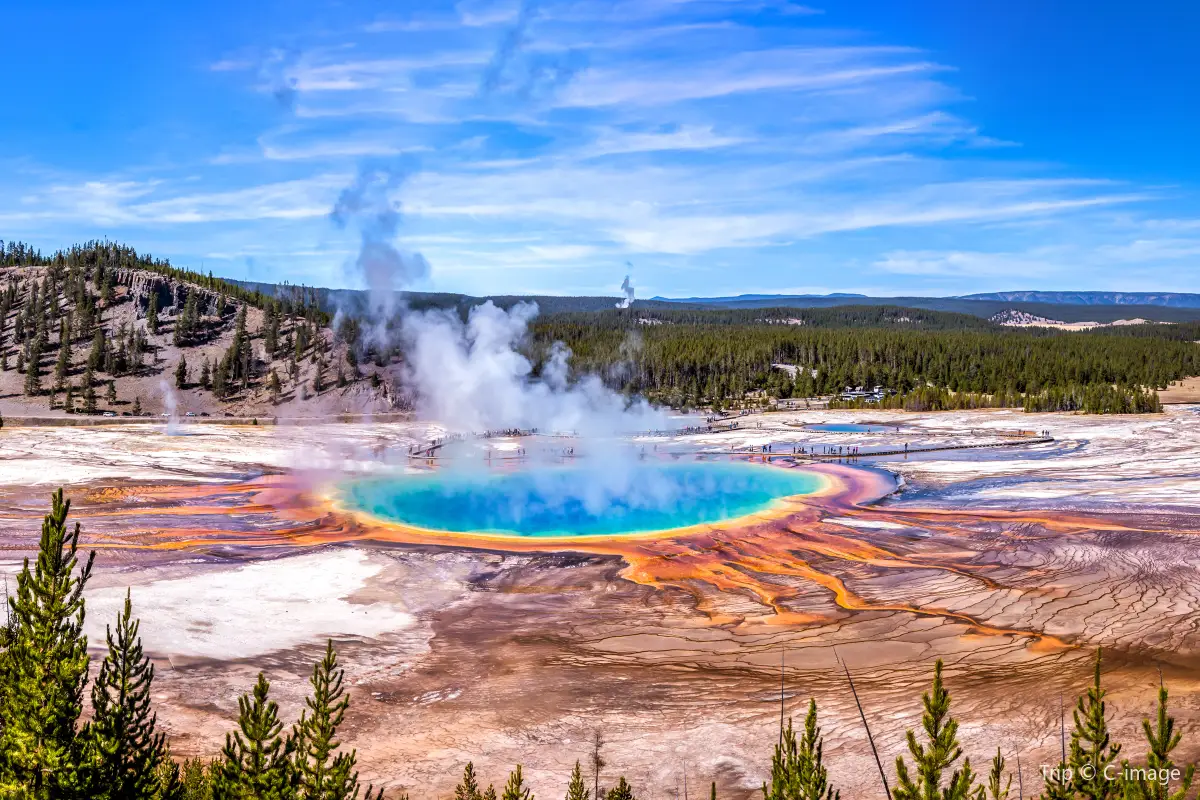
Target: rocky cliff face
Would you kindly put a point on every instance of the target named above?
(172, 294)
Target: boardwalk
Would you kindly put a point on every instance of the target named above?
(849, 452)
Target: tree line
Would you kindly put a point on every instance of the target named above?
(1094, 399)
(48, 751)
(865, 316)
(694, 363)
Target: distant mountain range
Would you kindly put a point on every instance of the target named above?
(1165, 299)
(772, 299)
(1168, 299)
(1100, 307)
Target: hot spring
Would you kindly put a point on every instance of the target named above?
(573, 501)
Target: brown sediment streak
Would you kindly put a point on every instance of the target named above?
(775, 558)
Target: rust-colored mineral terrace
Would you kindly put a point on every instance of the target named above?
(1011, 564)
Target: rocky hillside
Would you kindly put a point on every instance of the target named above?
(1016, 318)
(101, 330)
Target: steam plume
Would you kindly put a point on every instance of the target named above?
(627, 288)
(170, 403)
(275, 71)
(367, 205)
(523, 75)
(471, 376)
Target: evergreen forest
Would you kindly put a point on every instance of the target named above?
(926, 360)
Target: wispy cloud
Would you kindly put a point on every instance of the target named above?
(758, 73)
(682, 138)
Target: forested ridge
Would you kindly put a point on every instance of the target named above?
(87, 329)
(103, 257)
(49, 749)
(695, 357)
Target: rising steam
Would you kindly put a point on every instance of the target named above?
(367, 205)
(471, 376)
(627, 288)
(518, 72)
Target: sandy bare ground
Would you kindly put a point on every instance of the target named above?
(1180, 392)
(1013, 565)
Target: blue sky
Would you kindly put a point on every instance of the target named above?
(704, 146)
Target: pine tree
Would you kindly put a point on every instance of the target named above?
(137, 407)
(1092, 750)
(181, 372)
(69, 399)
(273, 385)
(205, 374)
(468, 787)
(576, 789)
(197, 780)
(489, 793)
(323, 773)
(256, 760)
(939, 755)
(168, 779)
(111, 394)
(96, 356)
(712, 794)
(219, 380)
(1161, 739)
(270, 331)
(33, 380)
(319, 378)
(43, 671)
(622, 791)
(63, 365)
(152, 312)
(784, 768)
(516, 788)
(122, 752)
(997, 788)
(89, 394)
(597, 761)
(812, 777)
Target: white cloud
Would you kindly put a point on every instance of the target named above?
(483, 13)
(685, 137)
(335, 149)
(1153, 250)
(965, 264)
(597, 88)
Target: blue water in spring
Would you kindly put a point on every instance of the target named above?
(573, 501)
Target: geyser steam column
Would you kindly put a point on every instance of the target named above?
(470, 377)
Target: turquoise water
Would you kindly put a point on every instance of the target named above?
(576, 502)
(851, 428)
